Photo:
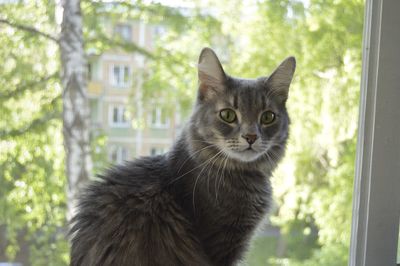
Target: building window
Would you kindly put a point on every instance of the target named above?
(120, 75)
(123, 31)
(118, 116)
(157, 151)
(159, 118)
(118, 154)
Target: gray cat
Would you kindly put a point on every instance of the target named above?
(200, 203)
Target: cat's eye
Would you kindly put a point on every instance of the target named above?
(228, 115)
(267, 117)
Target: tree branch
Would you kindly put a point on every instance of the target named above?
(23, 87)
(154, 9)
(28, 29)
(35, 123)
(32, 126)
(126, 46)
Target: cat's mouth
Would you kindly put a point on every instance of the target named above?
(248, 154)
(249, 150)
(244, 154)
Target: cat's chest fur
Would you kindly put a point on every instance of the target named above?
(225, 208)
(232, 211)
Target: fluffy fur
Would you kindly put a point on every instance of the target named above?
(200, 203)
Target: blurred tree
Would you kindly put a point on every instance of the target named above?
(32, 180)
(75, 101)
(73, 77)
(313, 185)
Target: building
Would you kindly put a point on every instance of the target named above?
(115, 94)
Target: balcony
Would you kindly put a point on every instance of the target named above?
(95, 88)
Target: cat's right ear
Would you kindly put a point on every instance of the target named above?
(212, 77)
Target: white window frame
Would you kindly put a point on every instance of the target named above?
(121, 33)
(123, 67)
(158, 150)
(120, 114)
(120, 158)
(158, 31)
(158, 123)
(376, 198)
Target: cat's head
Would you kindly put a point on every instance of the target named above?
(241, 119)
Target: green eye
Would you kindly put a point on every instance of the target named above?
(228, 115)
(267, 117)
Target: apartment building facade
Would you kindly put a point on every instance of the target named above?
(115, 91)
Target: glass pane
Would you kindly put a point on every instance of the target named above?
(115, 115)
(124, 154)
(123, 115)
(114, 156)
(163, 117)
(124, 31)
(154, 117)
(126, 75)
(116, 75)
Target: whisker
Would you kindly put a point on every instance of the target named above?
(191, 156)
(179, 177)
(222, 178)
(208, 173)
(198, 176)
(218, 178)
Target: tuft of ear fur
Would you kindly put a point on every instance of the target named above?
(212, 77)
(279, 81)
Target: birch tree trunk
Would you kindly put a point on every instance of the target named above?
(75, 101)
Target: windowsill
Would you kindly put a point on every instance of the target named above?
(127, 86)
(159, 126)
(119, 125)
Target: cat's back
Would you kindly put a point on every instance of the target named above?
(128, 218)
(133, 185)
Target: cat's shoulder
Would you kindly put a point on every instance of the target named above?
(143, 171)
(132, 181)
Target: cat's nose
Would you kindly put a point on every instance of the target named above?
(251, 138)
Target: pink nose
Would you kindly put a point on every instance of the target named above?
(251, 138)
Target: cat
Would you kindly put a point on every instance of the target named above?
(200, 203)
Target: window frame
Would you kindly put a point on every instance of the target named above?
(121, 112)
(124, 69)
(119, 151)
(376, 200)
(121, 28)
(158, 121)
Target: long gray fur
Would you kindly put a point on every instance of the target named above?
(200, 203)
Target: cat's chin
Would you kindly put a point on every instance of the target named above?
(244, 156)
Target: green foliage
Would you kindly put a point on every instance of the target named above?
(172, 73)
(99, 152)
(32, 180)
(313, 186)
(261, 252)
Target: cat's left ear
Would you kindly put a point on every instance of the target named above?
(279, 81)
(212, 77)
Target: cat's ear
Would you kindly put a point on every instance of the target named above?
(279, 81)
(212, 77)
